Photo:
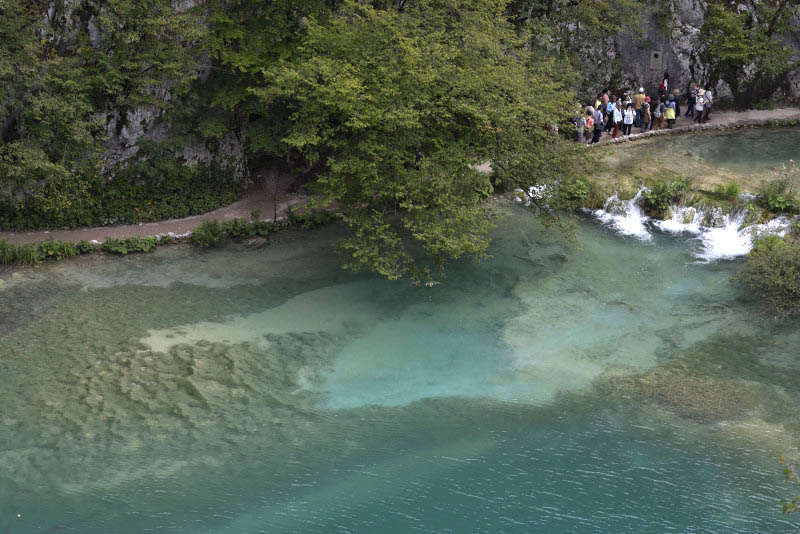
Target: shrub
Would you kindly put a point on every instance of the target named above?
(772, 271)
(115, 246)
(779, 195)
(208, 234)
(8, 252)
(140, 244)
(235, 228)
(56, 249)
(27, 255)
(311, 219)
(255, 215)
(730, 191)
(84, 247)
(658, 198)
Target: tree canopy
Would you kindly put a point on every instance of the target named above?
(398, 107)
(743, 46)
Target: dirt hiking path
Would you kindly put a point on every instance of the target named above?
(259, 200)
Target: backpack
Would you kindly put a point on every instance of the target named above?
(670, 114)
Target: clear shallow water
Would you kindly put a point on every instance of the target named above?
(744, 156)
(615, 387)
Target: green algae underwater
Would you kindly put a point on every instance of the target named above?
(611, 385)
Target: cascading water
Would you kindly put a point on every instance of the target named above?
(625, 216)
(721, 236)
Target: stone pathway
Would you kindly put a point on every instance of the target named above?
(719, 119)
(242, 208)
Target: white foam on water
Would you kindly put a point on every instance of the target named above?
(729, 240)
(625, 217)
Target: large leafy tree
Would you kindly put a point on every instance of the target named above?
(743, 46)
(397, 104)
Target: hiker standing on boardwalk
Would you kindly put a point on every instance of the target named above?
(647, 116)
(699, 106)
(638, 101)
(709, 96)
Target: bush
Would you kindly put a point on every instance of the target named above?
(779, 195)
(235, 228)
(84, 247)
(8, 252)
(657, 199)
(27, 255)
(730, 191)
(156, 187)
(208, 234)
(772, 271)
(311, 219)
(57, 249)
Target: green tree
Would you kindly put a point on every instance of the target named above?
(398, 106)
(745, 48)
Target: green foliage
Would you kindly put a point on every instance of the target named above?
(397, 108)
(156, 187)
(132, 244)
(57, 249)
(8, 252)
(571, 29)
(313, 218)
(115, 246)
(780, 194)
(660, 196)
(84, 247)
(730, 190)
(793, 505)
(772, 272)
(745, 48)
(209, 234)
(28, 255)
(235, 228)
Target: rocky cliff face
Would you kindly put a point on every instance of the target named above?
(670, 44)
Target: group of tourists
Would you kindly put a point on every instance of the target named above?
(612, 114)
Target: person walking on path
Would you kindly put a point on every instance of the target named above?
(627, 120)
(617, 116)
(699, 106)
(677, 94)
(709, 97)
(658, 115)
(670, 112)
(612, 103)
(597, 116)
(647, 116)
(638, 102)
(580, 125)
(663, 89)
(691, 100)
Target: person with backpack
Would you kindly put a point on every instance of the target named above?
(670, 112)
(597, 116)
(580, 125)
(638, 102)
(647, 116)
(617, 116)
(699, 106)
(627, 119)
(691, 100)
(658, 115)
(612, 103)
(677, 95)
(709, 96)
(663, 89)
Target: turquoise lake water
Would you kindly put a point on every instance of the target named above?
(609, 385)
